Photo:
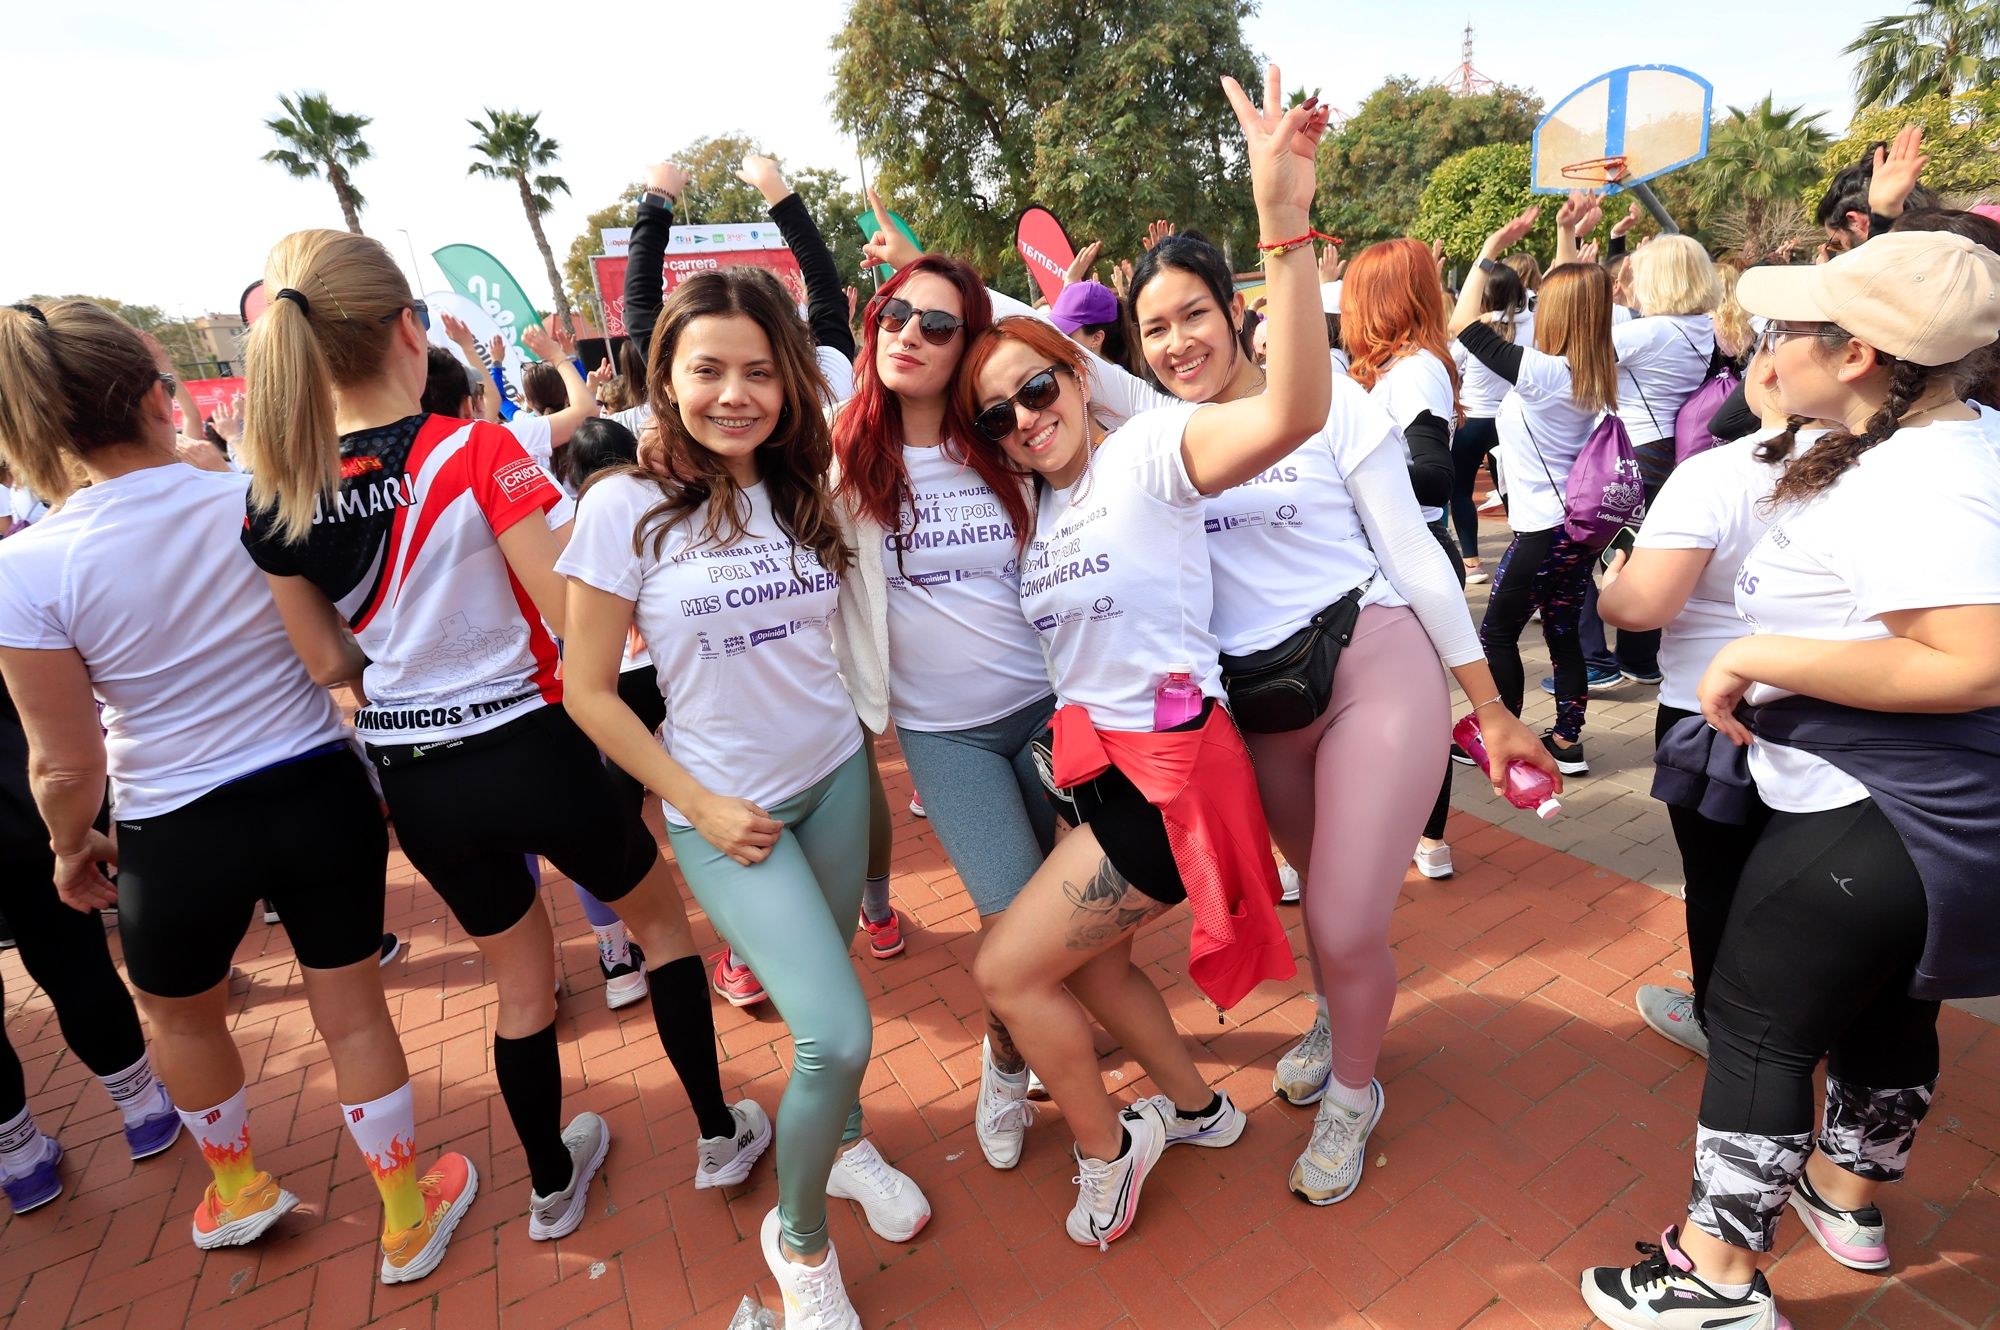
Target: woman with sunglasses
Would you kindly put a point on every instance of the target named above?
(133, 583)
(1115, 577)
(937, 528)
(1871, 686)
(411, 551)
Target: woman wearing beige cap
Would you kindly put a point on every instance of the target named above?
(1872, 678)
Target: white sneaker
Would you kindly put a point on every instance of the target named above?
(1000, 1119)
(896, 1209)
(1434, 863)
(815, 1297)
(1302, 1074)
(724, 1161)
(1215, 1130)
(1330, 1168)
(1037, 1092)
(1107, 1197)
(625, 982)
(549, 1217)
(1290, 888)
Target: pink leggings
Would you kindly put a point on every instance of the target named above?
(1346, 797)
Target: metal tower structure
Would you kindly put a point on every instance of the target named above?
(1465, 81)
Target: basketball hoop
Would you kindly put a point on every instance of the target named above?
(1597, 170)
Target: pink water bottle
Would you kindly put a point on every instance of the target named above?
(1527, 787)
(1178, 698)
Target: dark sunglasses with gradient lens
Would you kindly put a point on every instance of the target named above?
(996, 422)
(936, 326)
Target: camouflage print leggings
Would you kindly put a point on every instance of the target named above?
(1546, 571)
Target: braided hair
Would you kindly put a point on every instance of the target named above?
(1837, 451)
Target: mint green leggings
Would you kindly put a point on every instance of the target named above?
(791, 919)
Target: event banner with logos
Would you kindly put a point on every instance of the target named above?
(693, 249)
(208, 395)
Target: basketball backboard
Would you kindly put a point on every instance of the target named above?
(1622, 129)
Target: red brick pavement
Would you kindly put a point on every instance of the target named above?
(1533, 1127)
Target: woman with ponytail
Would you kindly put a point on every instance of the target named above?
(411, 551)
(1871, 685)
(135, 582)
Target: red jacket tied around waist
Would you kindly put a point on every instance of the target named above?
(1206, 790)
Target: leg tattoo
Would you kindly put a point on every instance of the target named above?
(1006, 1057)
(1107, 907)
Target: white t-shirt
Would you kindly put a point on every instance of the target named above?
(839, 371)
(960, 653)
(145, 576)
(1713, 501)
(1622, 314)
(1914, 524)
(1284, 545)
(24, 507)
(1411, 386)
(1480, 390)
(535, 436)
(1541, 432)
(1116, 579)
(1662, 359)
(743, 647)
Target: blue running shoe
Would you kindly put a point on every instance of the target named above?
(1596, 681)
(39, 1185)
(155, 1135)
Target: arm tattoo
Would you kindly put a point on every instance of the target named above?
(1106, 908)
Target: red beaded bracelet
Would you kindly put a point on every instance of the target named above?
(1272, 249)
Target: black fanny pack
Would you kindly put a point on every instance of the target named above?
(1287, 686)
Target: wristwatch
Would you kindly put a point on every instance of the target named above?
(1487, 265)
(655, 197)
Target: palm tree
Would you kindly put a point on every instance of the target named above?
(513, 149)
(1760, 162)
(1938, 48)
(319, 138)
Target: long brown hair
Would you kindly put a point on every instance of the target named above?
(1391, 306)
(349, 293)
(793, 460)
(1573, 320)
(73, 378)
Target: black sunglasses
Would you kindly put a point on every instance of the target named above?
(417, 307)
(937, 326)
(170, 383)
(996, 422)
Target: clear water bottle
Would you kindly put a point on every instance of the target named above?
(1178, 699)
(1527, 787)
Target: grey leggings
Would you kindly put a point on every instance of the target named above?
(791, 918)
(985, 800)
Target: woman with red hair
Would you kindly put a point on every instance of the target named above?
(937, 530)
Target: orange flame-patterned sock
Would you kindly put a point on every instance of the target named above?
(386, 1131)
(223, 1133)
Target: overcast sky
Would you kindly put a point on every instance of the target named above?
(133, 164)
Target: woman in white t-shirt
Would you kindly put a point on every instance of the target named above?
(730, 560)
(1681, 581)
(1480, 392)
(1874, 597)
(1561, 386)
(224, 756)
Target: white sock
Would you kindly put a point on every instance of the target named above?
(1349, 1098)
(1727, 1290)
(1319, 1006)
(613, 948)
(138, 1094)
(21, 1145)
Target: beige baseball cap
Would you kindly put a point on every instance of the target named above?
(1929, 297)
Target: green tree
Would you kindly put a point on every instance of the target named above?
(319, 139)
(1373, 173)
(588, 244)
(1471, 195)
(183, 340)
(1108, 116)
(1961, 137)
(1747, 192)
(511, 147)
(1940, 47)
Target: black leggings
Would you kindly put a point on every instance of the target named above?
(639, 690)
(1543, 570)
(65, 951)
(1712, 858)
(1434, 829)
(1469, 447)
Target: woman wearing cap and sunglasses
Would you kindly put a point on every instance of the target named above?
(1873, 684)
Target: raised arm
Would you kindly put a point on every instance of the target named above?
(1230, 442)
(646, 257)
(582, 404)
(1472, 295)
(826, 301)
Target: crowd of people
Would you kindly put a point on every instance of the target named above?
(1145, 583)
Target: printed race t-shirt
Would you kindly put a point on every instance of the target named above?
(1411, 386)
(1712, 501)
(1284, 545)
(741, 638)
(1542, 431)
(145, 577)
(960, 654)
(1116, 579)
(1915, 524)
(409, 553)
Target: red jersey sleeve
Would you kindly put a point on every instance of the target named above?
(507, 483)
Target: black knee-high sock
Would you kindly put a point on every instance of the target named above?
(687, 1030)
(530, 1073)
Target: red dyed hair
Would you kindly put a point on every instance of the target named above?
(1040, 336)
(1391, 306)
(868, 432)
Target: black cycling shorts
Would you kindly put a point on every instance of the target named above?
(469, 812)
(1131, 832)
(307, 835)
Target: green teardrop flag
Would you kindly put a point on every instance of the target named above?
(480, 277)
(866, 221)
